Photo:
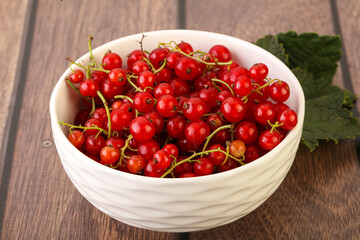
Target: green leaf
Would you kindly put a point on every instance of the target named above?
(325, 117)
(318, 54)
(271, 44)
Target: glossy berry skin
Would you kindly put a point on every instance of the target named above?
(91, 123)
(139, 67)
(151, 170)
(185, 47)
(167, 106)
(143, 102)
(183, 167)
(209, 96)
(217, 157)
(77, 76)
(146, 79)
(135, 56)
(246, 131)
(93, 144)
(116, 142)
(175, 126)
(109, 154)
(163, 89)
(77, 138)
(164, 75)
(279, 107)
(257, 97)
(279, 91)
(157, 57)
(186, 68)
(268, 139)
(196, 132)
(265, 113)
(288, 119)
(100, 113)
(109, 90)
(142, 129)
(99, 76)
(203, 166)
(253, 152)
(156, 119)
(258, 72)
(194, 108)
(228, 165)
(162, 159)
(185, 146)
(147, 149)
(215, 121)
(221, 136)
(237, 148)
(220, 52)
(171, 149)
(136, 164)
(242, 86)
(111, 61)
(89, 88)
(117, 76)
(172, 58)
(233, 109)
(201, 83)
(180, 87)
(120, 119)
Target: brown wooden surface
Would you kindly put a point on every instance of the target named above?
(317, 200)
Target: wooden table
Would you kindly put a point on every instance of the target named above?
(319, 199)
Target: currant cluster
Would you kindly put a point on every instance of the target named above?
(176, 112)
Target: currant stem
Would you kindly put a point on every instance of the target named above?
(123, 96)
(162, 67)
(81, 127)
(107, 112)
(208, 138)
(225, 83)
(90, 38)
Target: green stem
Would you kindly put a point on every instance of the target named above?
(162, 67)
(123, 96)
(90, 38)
(107, 112)
(208, 138)
(226, 84)
(81, 127)
(76, 90)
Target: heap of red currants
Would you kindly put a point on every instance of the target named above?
(174, 112)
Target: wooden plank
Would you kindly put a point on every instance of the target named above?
(12, 17)
(41, 201)
(349, 17)
(318, 198)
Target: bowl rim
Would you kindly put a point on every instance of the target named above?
(292, 135)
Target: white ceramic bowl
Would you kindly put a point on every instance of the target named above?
(187, 204)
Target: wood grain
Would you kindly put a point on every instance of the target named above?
(318, 198)
(12, 19)
(41, 202)
(348, 15)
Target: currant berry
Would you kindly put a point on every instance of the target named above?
(175, 126)
(77, 76)
(253, 152)
(237, 148)
(111, 61)
(142, 129)
(117, 76)
(183, 167)
(217, 157)
(139, 67)
(194, 108)
(265, 113)
(162, 159)
(288, 119)
(94, 144)
(220, 52)
(134, 56)
(242, 86)
(258, 72)
(186, 68)
(89, 88)
(120, 119)
(185, 47)
(157, 57)
(233, 109)
(116, 142)
(109, 154)
(209, 96)
(77, 138)
(203, 166)
(147, 149)
(151, 170)
(269, 139)
(279, 91)
(92, 122)
(246, 131)
(156, 119)
(171, 149)
(180, 87)
(196, 132)
(187, 175)
(163, 89)
(143, 102)
(167, 106)
(215, 121)
(172, 58)
(99, 76)
(146, 79)
(136, 164)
